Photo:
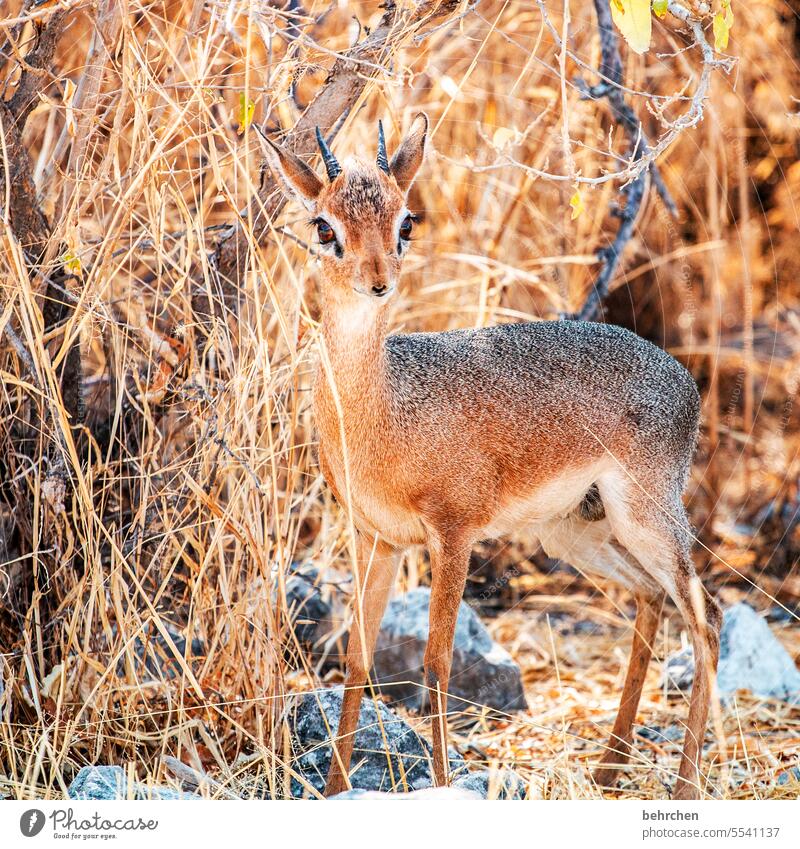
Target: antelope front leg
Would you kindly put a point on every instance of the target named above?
(449, 564)
(377, 568)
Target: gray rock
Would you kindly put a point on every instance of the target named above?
(309, 608)
(110, 782)
(503, 784)
(482, 673)
(154, 657)
(316, 608)
(657, 734)
(408, 753)
(751, 658)
(679, 670)
(434, 794)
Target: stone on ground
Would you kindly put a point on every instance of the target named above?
(751, 658)
(483, 673)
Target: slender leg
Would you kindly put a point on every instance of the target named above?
(377, 569)
(449, 565)
(648, 615)
(655, 530)
(703, 618)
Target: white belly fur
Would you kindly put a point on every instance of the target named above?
(556, 499)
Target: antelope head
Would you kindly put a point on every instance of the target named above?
(362, 222)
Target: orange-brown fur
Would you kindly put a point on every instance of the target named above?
(446, 438)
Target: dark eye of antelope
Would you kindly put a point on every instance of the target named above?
(406, 228)
(326, 236)
(325, 232)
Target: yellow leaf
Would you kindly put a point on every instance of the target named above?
(69, 94)
(660, 7)
(721, 32)
(633, 20)
(72, 263)
(576, 202)
(246, 111)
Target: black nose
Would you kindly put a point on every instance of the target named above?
(378, 290)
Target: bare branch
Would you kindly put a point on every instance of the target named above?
(634, 192)
(642, 162)
(690, 118)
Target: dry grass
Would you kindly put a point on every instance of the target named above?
(192, 485)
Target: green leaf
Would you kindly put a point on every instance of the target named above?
(660, 7)
(71, 263)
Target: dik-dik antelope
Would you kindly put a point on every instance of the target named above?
(581, 432)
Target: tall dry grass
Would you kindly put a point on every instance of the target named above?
(180, 502)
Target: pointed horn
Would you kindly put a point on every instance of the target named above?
(331, 165)
(383, 161)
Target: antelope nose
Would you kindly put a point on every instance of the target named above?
(379, 290)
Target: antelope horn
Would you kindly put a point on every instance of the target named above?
(331, 165)
(383, 161)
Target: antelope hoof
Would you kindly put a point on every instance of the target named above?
(335, 784)
(685, 791)
(605, 775)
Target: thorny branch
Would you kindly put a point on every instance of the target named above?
(643, 155)
(690, 118)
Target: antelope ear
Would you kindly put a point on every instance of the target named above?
(408, 157)
(295, 178)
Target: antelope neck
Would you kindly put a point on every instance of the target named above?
(354, 335)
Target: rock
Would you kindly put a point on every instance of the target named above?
(783, 615)
(155, 657)
(370, 765)
(751, 658)
(502, 784)
(316, 610)
(308, 607)
(657, 734)
(679, 670)
(482, 671)
(110, 782)
(429, 794)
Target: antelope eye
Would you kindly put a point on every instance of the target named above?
(406, 227)
(325, 233)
